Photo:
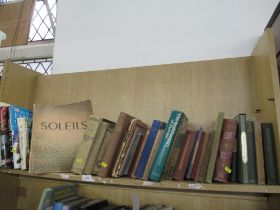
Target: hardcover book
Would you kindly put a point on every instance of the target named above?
(24, 137)
(114, 145)
(175, 150)
(57, 134)
(6, 154)
(105, 142)
(174, 121)
(252, 165)
(153, 153)
(156, 126)
(194, 153)
(4, 120)
(201, 158)
(270, 159)
(226, 147)
(214, 148)
(14, 113)
(49, 195)
(184, 156)
(259, 148)
(242, 150)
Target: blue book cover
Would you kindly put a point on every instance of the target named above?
(166, 145)
(156, 125)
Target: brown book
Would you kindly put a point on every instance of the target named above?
(256, 118)
(184, 156)
(138, 136)
(198, 156)
(175, 151)
(134, 126)
(194, 153)
(57, 132)
(153, 154)
(225, 151)
(199, 167)
(140, 153)
(206, 157)
(114, 145)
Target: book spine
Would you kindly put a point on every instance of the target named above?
(114, 145)
(6, 154)
(165, 146)
(184, 156)
(153, 154)
(269, 154)
(203, 150)
(147, 149)
(198, 156)
(242, 150)
(23, 141)
(214, 149)
(259, 148)
(107, 138)
(195, 149)
(175, 151)
(252, 165)
(226, 146)
(95, 148)
(80, 161)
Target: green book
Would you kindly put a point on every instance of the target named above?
(174, 122)
(252, 161)
(49, 195)
(270, 161)
(215, 146)
(242, 150)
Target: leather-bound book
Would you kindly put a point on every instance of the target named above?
(194, 153)
(226, 146)
(113, 147)
(198, 155)
(200, 162)
(184, 156)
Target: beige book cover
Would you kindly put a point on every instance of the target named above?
(57, 133)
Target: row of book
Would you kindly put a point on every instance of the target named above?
(15, 136)
(64, 197)
(171, 151)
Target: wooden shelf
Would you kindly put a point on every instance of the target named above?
(163, 185)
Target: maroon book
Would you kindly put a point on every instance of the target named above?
(197, 157)
(184, 156)
(225, 152)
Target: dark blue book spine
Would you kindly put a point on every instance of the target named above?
(147, 149)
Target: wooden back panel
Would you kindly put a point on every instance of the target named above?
(200, 89)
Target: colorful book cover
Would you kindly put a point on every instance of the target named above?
(166, 145)
(16, 112)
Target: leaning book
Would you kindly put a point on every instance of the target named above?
(56, 135)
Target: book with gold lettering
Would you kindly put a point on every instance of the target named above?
(57, 132)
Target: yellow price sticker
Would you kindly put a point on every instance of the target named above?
(79, 160)
(14, 150)
(228, 170)
(104, 164)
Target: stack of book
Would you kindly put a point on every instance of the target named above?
(15, 129)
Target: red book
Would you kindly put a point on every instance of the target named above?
(184, 156)
(225, 151)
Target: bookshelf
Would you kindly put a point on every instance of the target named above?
(200, 89)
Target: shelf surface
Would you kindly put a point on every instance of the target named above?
(163, 185)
